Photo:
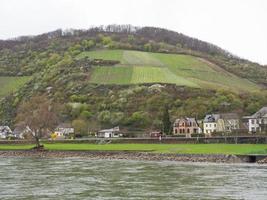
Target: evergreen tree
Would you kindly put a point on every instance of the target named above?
(166, 121)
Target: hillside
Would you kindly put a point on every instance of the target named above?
(107, 77)
(145, 67)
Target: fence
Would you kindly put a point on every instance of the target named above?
(164, 140)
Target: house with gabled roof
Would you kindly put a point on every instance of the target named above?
(257, 123)
(186, 126)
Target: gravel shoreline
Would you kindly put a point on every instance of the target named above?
(128, 155)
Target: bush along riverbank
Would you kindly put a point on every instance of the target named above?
(133, 155)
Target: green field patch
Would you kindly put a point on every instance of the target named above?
(147, 67)
(158, 75)
(102, 54)
(140, 58)
(11, 84)
(207, 75)
(111, 75)
(156, 148)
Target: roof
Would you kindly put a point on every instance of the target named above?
(261, 113)
(186, 119)
(4, 128)
(110, 130)
(64, 125)
(211, 118)
(229, 116)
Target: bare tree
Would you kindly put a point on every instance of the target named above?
(38, 116)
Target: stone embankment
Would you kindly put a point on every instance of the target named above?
(128, 155)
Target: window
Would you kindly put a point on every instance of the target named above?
(214, 125)
(188, 131)
(252, 121)
(206, 125)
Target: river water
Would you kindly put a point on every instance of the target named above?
(79, 178)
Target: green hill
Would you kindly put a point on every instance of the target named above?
(11, 84)
(197, 77)
(145, 67)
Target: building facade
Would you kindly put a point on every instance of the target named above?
(109, 133)
(210, 124)
(186, 126)
(257, 123)
(228, 122)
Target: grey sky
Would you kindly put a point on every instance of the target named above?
(239, 26)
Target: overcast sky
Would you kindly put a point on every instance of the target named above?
(239, 26)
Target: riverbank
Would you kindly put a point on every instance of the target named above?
(130, 155)
(225, 149)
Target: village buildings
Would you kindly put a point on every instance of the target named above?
(224, 122)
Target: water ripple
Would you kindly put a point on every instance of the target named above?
(77, 178)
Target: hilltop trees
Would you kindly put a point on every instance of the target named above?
(38, 116)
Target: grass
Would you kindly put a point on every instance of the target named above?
(156, 148)
(140, 58)
(103, 54)
(112, 75)
(158, 75)
(138, 74)
(143, 67)
(11, 84)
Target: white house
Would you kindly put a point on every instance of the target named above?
(258, 121)
(5, 132)
(64, 130)
(210, 124)
(109, 133)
